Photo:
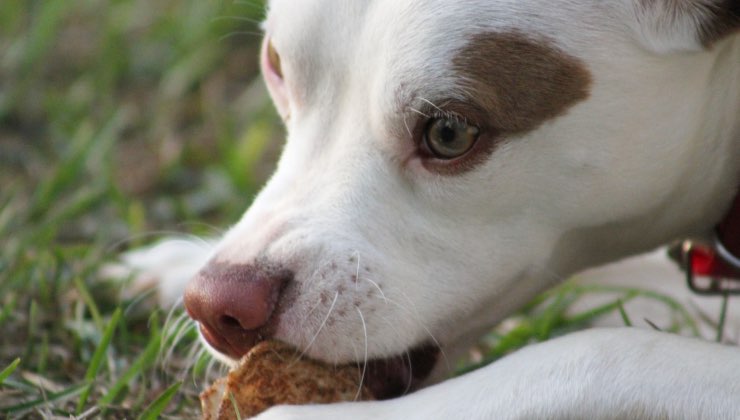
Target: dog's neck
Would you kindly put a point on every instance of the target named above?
(703, 193)
(726, 247)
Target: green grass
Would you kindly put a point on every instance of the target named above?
(122, 121)
(115, 120)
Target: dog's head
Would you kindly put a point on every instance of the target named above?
(446, 160)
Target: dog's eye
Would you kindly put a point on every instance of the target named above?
(274, 58)
(448, 138)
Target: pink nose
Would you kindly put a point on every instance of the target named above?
(234, 303)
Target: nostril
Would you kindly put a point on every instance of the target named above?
(230, 322)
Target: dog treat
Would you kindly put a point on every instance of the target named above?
(272, 374)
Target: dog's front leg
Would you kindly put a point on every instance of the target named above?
(594, 374)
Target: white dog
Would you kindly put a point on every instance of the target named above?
(447, 160)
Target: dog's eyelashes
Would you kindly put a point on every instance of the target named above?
(449, 138)
(274, 59)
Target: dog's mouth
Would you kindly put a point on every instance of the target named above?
(396, 376)
(386, 378)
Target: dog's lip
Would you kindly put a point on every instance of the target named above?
(223, 346)
(396, 376)
(385, 378)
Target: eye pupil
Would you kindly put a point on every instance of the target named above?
(448, 134)
(448, 138)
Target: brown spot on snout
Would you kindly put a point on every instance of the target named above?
(520, 81)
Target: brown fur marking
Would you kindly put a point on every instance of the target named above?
(519, 81)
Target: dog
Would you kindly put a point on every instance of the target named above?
(446, 161)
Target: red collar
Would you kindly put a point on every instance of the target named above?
(718, 260)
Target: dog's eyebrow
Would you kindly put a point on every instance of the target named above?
(520, 81)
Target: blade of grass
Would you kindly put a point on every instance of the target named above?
(591, 314)
(722, 318)
(88, 144)
(98, 356)
(89, 301)
(516, 338)
(19, 409)
(666, 300)
(623, 314)
(69, 170)
(42, 35)
(235, 405)
(39, 38)
(652, 325)
(43, 355)
(33, 321)
(146, 359)
(8, 309)
(553, 315)
(8, 210)
(9, 370)
(153, 411)
(83, 201)
(20, 385)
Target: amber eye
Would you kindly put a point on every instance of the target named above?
(274, 58)
(448, 138)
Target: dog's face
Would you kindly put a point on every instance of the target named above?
(446, 160)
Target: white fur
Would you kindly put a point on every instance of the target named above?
(651, 155)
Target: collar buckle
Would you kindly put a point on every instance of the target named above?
(708, 269)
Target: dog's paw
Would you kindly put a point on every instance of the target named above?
(164, 268)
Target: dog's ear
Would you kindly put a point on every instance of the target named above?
(685, 25)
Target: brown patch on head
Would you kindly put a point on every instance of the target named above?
(724, 20)
(519, 81)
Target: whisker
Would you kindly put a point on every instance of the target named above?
(237, 18)
(432, 104)
(138, 298)
(364, 364)
(215, 230)
(174, 330)
(200, 351)
(406, 124)
(233, 34)
(357, 272)
(213, 365)
(377, 286)
(321, 327)
(307, 286)
(173, 236)
(309, 281)
(419, 112)
(411, 372)
(417, 318)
